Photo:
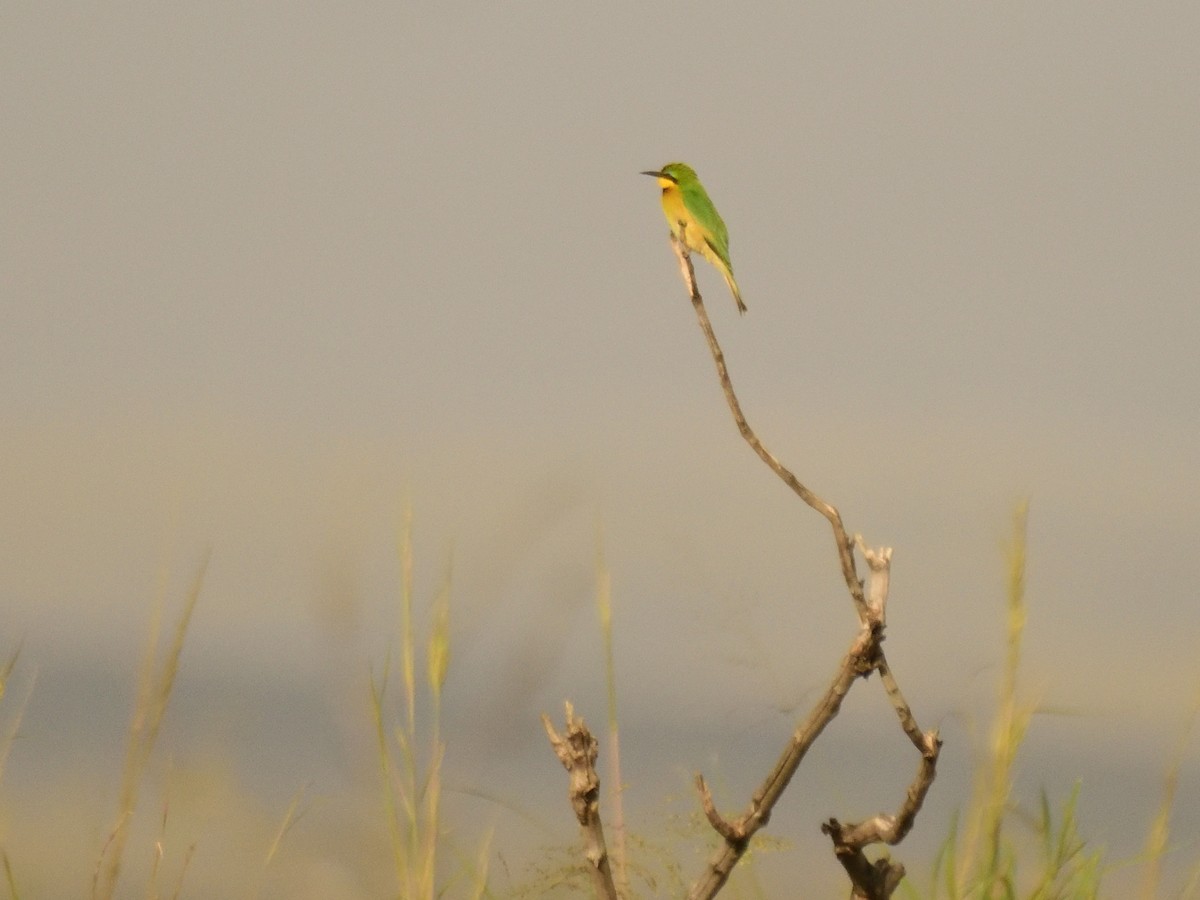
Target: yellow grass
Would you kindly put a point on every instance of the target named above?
(155, 682)
(412, 779)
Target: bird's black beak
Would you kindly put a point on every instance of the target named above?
(658, 175)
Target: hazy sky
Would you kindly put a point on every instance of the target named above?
(271, 272)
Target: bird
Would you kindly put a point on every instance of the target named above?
(689, 210)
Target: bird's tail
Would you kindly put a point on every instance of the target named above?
(733, 288)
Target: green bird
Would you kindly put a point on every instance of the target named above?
(685, 202)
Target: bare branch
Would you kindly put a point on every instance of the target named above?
(873, 881)
(733, 833)
(878, 880)
(577, 751)
(859, 661)
(880, 564)
(844, 543)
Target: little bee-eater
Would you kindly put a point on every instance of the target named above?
(689, 210)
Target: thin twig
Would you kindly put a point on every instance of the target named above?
(845, 546)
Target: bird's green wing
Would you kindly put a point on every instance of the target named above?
(696, 199)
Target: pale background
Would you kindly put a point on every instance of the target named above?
(270, 273)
